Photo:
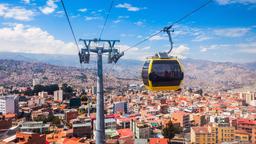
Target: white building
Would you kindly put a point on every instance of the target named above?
(36, 81)
(9, 104)
(248, 96)
(58, 95)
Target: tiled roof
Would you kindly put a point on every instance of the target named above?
(158, 141)
(125, 133)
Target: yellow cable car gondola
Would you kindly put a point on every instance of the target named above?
(163, 72)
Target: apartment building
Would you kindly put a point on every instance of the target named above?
(9, 104)
(212, 134)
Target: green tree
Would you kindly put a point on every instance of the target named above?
(66, 88)
(39, 88)
(51, 88)
(170, 130)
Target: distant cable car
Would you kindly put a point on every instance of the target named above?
(163, 72)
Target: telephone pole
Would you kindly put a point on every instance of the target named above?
(113, 56)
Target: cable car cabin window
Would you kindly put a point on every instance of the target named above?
(145, 73)
(166, 73)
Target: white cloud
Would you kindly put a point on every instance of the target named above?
(247, 47)
(83, 10)
(50, 7)
(123, 17)
(89, 18)
(206, 48)
(180, 32)
(180, 51)
(198, 34)
(21, 38)
(17, 13)
(250, 51)
(75, 16)
(129, 7)
(231, 32)
(225, 2)
(116, 21)
(215, 46)
(127, 35)
(59, 13)
(241, 47)
(139, 23)
(157, 38)
(26, 1)
(201, 38)
(120, 18)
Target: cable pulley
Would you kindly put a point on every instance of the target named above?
(169, 30)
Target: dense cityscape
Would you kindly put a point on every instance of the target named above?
(41, 111)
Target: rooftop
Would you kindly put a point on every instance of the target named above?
(125, 133)
(246, 121)
(158, 141)
(200, 130)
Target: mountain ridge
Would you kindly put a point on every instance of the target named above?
(198, 73)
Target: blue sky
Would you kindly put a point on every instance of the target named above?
(225, 30)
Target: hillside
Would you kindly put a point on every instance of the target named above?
(20, 73)
(198, 73)
(218, 75)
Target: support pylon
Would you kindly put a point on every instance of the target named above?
(114, 56)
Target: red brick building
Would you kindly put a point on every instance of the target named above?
(5, 124)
